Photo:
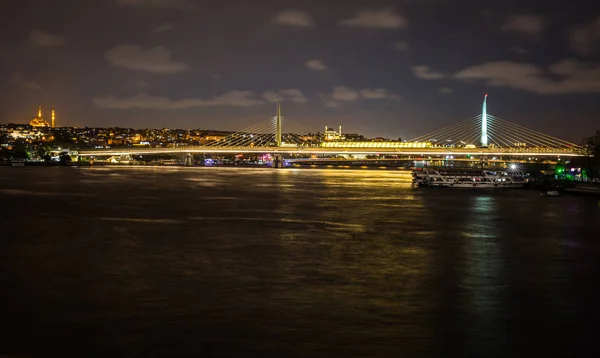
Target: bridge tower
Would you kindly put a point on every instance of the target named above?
(278, 127)
(484, 136)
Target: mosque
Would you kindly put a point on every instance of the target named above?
(40, 122)
(331, 134)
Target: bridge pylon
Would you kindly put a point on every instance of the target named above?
(484, 135)
(278, 125)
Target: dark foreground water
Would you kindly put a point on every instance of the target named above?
(304, 263)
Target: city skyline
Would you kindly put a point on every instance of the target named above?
(375, 67)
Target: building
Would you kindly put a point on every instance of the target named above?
(331, 134)
(39, 121)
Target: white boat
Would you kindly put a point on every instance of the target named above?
(466, 178)
(17, 162)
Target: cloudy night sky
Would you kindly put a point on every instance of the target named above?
(380, 68)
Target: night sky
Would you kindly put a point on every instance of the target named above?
(380, 68)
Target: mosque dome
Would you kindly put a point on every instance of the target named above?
(39, 121)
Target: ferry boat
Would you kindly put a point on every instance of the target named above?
(467, 178)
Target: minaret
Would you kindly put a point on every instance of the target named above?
(484, 136)
(340, 132)
(278, 128)
(53, 117)
(40, 112)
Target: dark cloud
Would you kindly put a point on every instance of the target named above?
(161, 4)
(574, 76)
(532, 25)
(585, 38)
(163, 28)
(145, 101)
(401, 45)
(17, 79)
(519, 50)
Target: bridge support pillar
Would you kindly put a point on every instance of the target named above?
(278, 161)
(189, 160)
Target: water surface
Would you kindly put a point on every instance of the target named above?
(305, 263)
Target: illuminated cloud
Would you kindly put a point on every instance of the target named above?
(532, 25)
(293, 17)
(155, 59)
(343, 93)
(293, 95)
(160, 4)
(446, 90)
(316, 65)
(585, 39)
(145, 101)
(331, 104)
(163, 28)
(378, 93)
(425, 73)
(44, 39)
(385, 18)
(573, 76)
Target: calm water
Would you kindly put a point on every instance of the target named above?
(304, 263)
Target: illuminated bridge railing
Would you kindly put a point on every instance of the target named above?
(390, 145)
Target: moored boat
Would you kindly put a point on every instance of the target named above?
(17, 162)
(550, 193)
(467, 178)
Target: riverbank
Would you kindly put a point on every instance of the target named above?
(585, 189)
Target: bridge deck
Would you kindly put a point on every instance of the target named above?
(323, 150)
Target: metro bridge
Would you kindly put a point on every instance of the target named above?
(482, 136)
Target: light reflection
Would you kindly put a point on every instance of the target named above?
(483, 265)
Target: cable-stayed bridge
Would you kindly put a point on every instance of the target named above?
(483, 135)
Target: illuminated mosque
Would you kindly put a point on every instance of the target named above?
(40, 122)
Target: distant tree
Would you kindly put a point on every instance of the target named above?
(43, 151)
(5, 153)
(399, 139)
(20, 149)
(65, 159)
(592, 147)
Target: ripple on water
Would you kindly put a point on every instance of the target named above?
(19, 192)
